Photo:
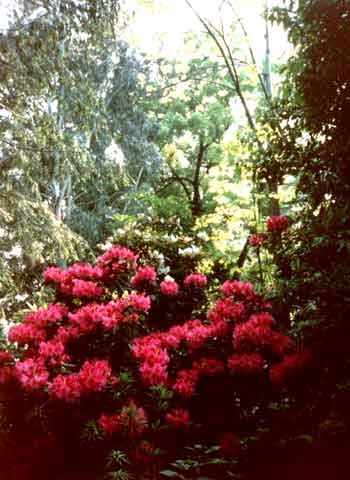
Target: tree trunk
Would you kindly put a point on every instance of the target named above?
(197, 206)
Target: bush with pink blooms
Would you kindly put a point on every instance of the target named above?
(126, 360)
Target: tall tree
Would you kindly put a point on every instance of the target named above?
(220, 37)
(193, 116)
(66, 78)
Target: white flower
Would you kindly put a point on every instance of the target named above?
(162, 269)
(169, 278)
(106, 246)
(189, 251)
(6, 325)
(158, 255)
(170, 238)
(20, 297)
(203, 236)
(15, 251)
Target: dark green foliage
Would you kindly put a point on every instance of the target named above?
(315, 111)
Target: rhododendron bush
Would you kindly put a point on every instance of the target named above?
(127, 359)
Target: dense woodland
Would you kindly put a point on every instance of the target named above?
(175, 245)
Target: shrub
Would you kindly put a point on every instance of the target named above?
(124, 360)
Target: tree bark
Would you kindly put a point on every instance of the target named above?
(197, 206)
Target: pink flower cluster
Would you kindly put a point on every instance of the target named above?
(178, 418)
(238, 290)
(84, 271)
(144, 275)
(65, 387)
(46, 332)
(92, 377)
(33, 328)
(82, 288)
(32, 374)
(111, 315)
(125, 310)
(117, 260)
(277, 223)
(226, 309)
(257, 332)
(196, 280)
(169, 288)
(53, 351)
(186, 380)
(253, 336)
(152, 350)
(78, 280)
(26, 333)
(132, 420)
(237, 336)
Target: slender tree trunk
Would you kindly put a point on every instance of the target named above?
(267, 62)
(197, 206)
(274, 207)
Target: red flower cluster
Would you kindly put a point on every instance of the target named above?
(169, 288)
(277, 223)
(289, 367)
(246, 363)
(131, 420)
(92, 377)
(125, 310)
(186, 380)
(144, 275)
(32, 374)
(78, 280)
(226, 309)
(151, 350)
(109, 424)
(82, 288)
(178, 418)
(117, 260)
(236, 336)
(65, 387)
(195, 280)
(84, 271)
(53, 351)
(257, 332)
(257, 239)
(238, 290)
(33, 328)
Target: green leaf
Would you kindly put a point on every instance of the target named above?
(171, 474)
